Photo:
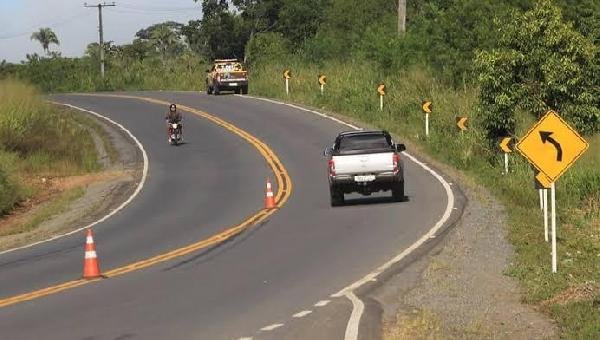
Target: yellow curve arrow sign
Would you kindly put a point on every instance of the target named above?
(461, 122)
(504, 144)
(322, 79)
(552, 145)
(287, 74)
(426, 106)
(381, 89)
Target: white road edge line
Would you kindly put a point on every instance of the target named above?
(358, 308)
(271, 327)
(117, 209)
(357, 304)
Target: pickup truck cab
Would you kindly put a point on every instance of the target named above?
(364, 162)
(226, 75)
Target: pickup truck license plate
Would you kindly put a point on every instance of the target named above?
(232, 84)
(364, 178)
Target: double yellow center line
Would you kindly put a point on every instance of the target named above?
(284, 190)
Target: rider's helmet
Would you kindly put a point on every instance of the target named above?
(173, 108)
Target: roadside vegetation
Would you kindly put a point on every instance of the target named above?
(38, 141)
(502, 64)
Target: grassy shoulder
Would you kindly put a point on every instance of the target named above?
(38, 213)
(39, 141)
(351, 91)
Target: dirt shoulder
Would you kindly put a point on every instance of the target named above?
(459, 290)
(67, 203)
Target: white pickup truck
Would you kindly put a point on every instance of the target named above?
(364, 162)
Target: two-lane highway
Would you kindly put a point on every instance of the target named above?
(299, 256)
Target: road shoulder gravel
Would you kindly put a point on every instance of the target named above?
(459, 290)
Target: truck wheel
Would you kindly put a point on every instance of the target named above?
(337, 197)
(209, 89)
(398, 191)
(245, 89)
(238, 90)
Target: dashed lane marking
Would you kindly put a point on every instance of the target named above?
(322, 303)
(271, 327)
(302, 314)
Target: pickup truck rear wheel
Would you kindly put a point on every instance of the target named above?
(398, 191)
(245, 89)
(337, 197)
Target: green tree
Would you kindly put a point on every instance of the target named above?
(585, 16)
(541, 63)
(163, 39)
(344, 24)
(220, 34)
(146, 33)
(300, 20)
(45, 36)
(92, 50)
(138, 50)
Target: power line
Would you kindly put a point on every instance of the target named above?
(159, 9)
(130, 5)
(146, 12)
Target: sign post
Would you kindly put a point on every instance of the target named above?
(426, 106)
(545, 208)
(552, 146)
(322, 82)
(287, 74)
(553, 206)
(381, 91)
(505, 147)
(542, 184)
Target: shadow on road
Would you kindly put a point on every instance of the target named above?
(373, 200)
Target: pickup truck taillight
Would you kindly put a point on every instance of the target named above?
(331, 167)
(396, 161)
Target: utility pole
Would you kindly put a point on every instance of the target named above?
(100, 31)
(401, 17)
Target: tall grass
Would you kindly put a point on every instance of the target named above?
(185, 72)
(37, 139)
(351, 91)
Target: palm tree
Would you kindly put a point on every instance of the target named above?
(46, 37)
(163, 38)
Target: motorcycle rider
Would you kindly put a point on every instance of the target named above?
(172, 117)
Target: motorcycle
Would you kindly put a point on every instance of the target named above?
(174, 133)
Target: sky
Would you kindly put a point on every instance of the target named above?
(77, 26)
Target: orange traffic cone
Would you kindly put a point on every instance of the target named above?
(269, 199)
(91, 267)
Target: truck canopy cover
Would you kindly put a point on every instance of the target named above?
(364, 142)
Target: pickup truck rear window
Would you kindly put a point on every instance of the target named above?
(363, 142)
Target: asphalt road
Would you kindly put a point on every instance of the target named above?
(298, 257)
